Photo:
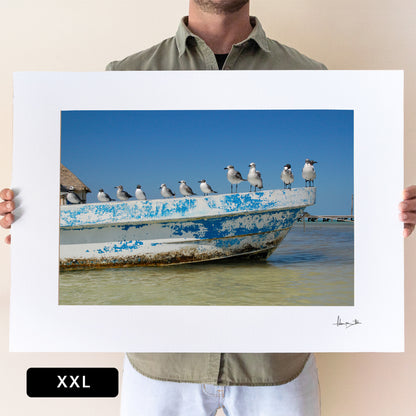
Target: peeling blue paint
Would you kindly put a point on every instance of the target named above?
(211, 227)
(176, 208)
(122, 246)
(200, 228)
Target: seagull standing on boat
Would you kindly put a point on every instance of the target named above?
(205, 188)
(308, 172)
(165, 191)
(184, 189)
(254, 177)
(103, 197)
(287, 176)
(234, 177)
(140, 195)
(121, 194)
(72, 197)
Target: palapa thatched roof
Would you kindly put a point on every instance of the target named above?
(69, 179)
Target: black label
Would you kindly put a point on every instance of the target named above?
(72, 382)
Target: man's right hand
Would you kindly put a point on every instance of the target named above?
(6, 208)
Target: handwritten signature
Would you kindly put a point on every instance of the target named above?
(347, 324)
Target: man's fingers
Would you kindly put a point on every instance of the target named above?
(408, 229)
(409, 192)
(6, 207)
(6, 221)
(408, 205)
(407, 210)
(408, 217)
(6, 194)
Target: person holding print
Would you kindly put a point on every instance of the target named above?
(220, 34)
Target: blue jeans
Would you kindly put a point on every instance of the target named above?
(143, 396)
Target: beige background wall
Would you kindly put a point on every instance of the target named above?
(83, 35)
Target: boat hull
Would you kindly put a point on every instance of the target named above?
(178, 231)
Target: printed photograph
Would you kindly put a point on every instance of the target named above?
(201, 207)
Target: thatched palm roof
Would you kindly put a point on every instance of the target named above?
(69, 179)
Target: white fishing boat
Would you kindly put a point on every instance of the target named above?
(178, 230)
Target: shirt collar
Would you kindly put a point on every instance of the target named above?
(257, 35)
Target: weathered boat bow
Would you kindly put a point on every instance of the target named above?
(179, 230)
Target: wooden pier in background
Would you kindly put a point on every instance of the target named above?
(326, 218)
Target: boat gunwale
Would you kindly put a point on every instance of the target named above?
(178, 198)
(138, 221)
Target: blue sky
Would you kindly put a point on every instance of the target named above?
(109, 148)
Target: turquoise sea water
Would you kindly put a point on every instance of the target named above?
(314, 266)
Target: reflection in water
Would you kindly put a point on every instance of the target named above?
(314, 267)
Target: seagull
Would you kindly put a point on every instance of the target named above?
(205, 188)
(122, 195)
(308, 172)
(165, 191)
(254, 177)
(184, 189)
(72, 197)
(140, 195)
(234, 177)
(103, 197)
(287, 176)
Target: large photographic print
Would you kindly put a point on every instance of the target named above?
(221, 211)
(220, 207)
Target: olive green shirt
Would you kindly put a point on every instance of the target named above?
(186, 51)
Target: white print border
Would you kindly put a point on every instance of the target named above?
(38, 323)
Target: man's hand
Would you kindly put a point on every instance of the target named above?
(6, 208)
(408, 210)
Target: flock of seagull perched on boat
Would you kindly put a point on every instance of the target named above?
(233, 176)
